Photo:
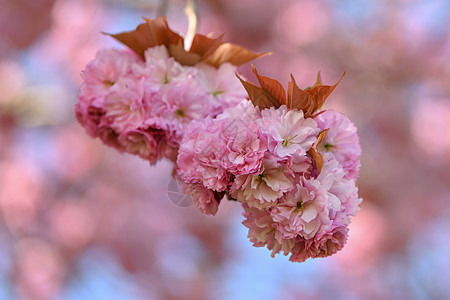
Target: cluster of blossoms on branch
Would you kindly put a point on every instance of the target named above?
(140, 101)
(291, 165)
(292, 169)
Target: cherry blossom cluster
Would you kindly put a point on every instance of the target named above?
(261, 158)
(291, 165)
(142, 106)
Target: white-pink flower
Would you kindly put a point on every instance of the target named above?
(303, 211)
(342, 192)
(160, 69)
(264, 189)
(174, 107)
(288, 132)
(245, 111)
(124, 106)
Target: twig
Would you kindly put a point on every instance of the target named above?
(163, 7)
(191, 11)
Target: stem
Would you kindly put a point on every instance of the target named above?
(163, 7)
(191, 11)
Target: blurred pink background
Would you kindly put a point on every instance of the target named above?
(80, 221)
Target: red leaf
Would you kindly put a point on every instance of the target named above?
(271, 86)
(205, 46)
(310, 99)
(233, 54)
(149, 34)
(182, 56)
(299, 99)
(258, 96)
(209, 50)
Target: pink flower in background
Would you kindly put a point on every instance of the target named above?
(22, 22)
(102, 73)
(124, 106)
(174, 107)
(221, 85)
(341, 142)
(288, 133)
(160, 69)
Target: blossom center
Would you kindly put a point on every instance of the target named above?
(216, 93)
(287, 140)
(179, 112)
(328, 146)
(166, 79)
(108, 83)
(299, 205)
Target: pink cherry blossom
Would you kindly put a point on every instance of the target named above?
(328, 242)
(94, 121)
(160, 69)
(264, 189)
(102, 73)
(342, 192)
(288, 132)
(122, 94)
(245, 111)
(341, 142)
(204, 199)
(257, 159)
(302, 212)
(200, 155)
(221, 85)
(174, 106)
(124, 106)
(245, 147)
(141, 143)
(262, 232)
